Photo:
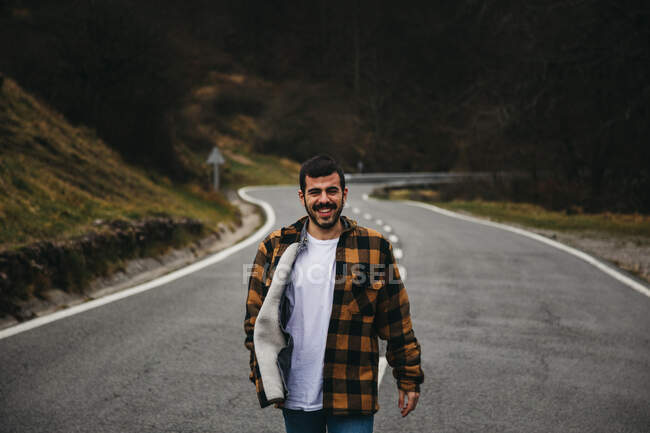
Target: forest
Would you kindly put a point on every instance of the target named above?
(554, 93)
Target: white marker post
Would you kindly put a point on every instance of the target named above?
(216, 159)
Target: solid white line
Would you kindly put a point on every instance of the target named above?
(382, 369)
(584, 256)
(261, 232)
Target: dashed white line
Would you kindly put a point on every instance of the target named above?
(388, 229)
(622, 278)
(356, 210)
(379, 222)
(393, 238)
(398, 253)
(367, 216)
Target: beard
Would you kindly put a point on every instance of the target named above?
(328, 222)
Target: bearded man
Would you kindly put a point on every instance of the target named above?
(321, 293)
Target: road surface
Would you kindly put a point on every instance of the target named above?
(516, 337)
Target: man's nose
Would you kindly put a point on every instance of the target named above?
(323, 198)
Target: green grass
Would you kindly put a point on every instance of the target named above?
(57, 179)
(227, 110)
(264, 170)
(59, 182)
(535, 216)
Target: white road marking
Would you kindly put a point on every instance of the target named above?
(367, 216)
(398, 253)
(393, 238)
(388, 229)
(584, 256)
(382, 369)
(365, 196)
(379, 222)
(215, 258)
(356, 210)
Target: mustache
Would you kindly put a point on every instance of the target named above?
(317, 207)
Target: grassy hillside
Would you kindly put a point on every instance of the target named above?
(58, 180)
(230, 111)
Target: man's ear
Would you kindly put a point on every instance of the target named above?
(301, 196)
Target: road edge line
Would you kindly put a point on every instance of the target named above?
(196, 266)
(617, 275)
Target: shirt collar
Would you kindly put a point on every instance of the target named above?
(300, 227)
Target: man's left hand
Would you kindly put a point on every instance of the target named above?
(412, 401)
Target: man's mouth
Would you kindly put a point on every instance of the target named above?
(325, 212)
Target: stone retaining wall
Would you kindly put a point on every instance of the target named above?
(69, 265)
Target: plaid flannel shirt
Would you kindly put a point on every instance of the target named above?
(369, 301)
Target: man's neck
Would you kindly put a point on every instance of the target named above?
(323, 234)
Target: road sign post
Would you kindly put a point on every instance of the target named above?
(215, 159)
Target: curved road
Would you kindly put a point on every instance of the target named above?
(516, 336)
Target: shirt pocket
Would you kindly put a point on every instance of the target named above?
(362, 297)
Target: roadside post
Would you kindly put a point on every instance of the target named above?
(215, 159)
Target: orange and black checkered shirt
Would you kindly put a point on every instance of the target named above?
(369, 302)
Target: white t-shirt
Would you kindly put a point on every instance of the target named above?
(312, 280)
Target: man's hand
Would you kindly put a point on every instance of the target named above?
(412, 401)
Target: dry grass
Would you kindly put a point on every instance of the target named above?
(57, 179)
(536, 216)
(227, 112)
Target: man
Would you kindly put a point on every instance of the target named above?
(320, 293)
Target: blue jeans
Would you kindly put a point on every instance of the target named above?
(299, 421)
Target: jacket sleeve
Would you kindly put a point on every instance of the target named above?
(256, 292)
(393, 323)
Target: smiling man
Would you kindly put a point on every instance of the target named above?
(321, 292)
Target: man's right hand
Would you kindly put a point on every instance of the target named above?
(412, 401)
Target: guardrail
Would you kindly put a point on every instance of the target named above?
(396, 179)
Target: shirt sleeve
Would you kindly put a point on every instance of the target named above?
(393, 322)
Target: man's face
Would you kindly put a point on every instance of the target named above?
(323, 199)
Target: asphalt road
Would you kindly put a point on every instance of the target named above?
(516, 337)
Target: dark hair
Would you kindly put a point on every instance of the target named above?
(318, 166)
